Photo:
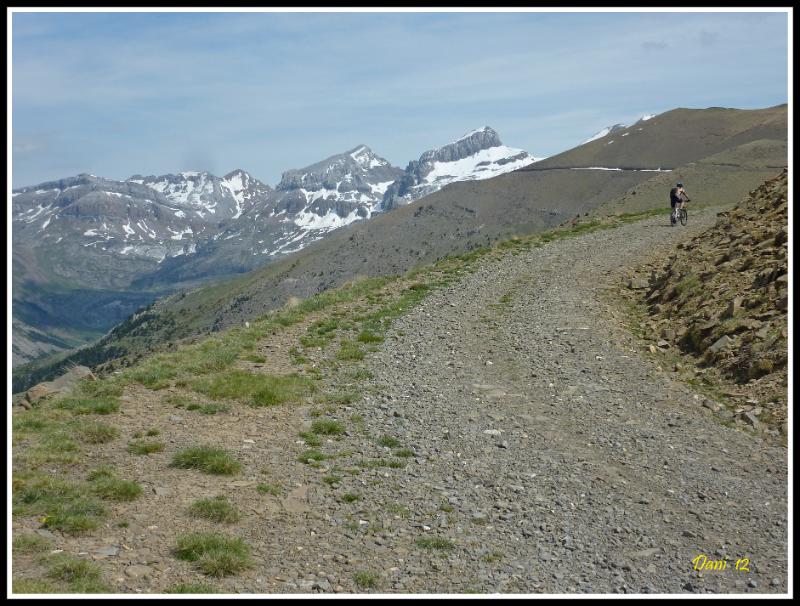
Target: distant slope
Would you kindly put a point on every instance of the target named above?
(470, 214)
(675, 138)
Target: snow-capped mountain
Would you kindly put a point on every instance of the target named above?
(608, 130)
(206, 196)
(307, 204)
(335, 192)
(477, 155)
(96, 215)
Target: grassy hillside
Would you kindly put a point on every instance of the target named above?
(676, 138)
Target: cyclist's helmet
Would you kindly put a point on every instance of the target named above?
(680, 184)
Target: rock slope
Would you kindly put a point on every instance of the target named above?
(722, 298)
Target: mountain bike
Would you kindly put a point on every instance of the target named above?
(681, 214)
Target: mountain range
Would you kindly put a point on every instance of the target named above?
(88, 251)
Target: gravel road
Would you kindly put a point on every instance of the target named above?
(569, 461)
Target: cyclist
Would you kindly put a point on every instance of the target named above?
(677, 196)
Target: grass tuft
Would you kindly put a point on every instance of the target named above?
(310, 457)
(272, 489)
(113, 489)
(96, 433)
(256, 389)
(80, 405)
(389, 441)
(31, 543)
(216, 509)
(435, 543)
(366, 580)
(327, 427)
(144, 447)
(207, 459)
(80, 575)
(214, 554)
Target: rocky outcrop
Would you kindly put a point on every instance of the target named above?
(722, 298)
(62, 384)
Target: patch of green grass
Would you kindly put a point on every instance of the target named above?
(59, 442)
(214, 554)
(327, 427)
(312, 456)
(75, 516)
(332, 480)
(404, 452)
(31, 421)
(152, 432)
(113, 489)
(273, 489)
(492, 557)
(296, 356)
(80, 405)
(311, 342)
(389, 441)
(156, 373)
(357, 418)
(80, 575)
(360, 374)
(178, 401)
(256, 389)
(340, 398)
(62, 505)
(256, 359)
(400, 510)
(446, 507)
(366, 580)
(310, 439)
(435, 543)
(96, 433)
(216, 509)
(143, 447)
(31, 543)
(108, 388)
(33, 586)
(349, 350)
(207, 459)
(689, 284)
(350, 497)
(213, 408)
(191, 588)
(367, 336)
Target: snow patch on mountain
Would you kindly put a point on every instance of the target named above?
(477, 155)
(616, 128)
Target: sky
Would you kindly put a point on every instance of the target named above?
(118, 94)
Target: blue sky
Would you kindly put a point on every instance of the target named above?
(115, 94)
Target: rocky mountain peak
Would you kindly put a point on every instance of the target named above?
(479, 154)
(468, 145)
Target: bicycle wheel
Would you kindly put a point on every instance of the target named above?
(684, 216)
